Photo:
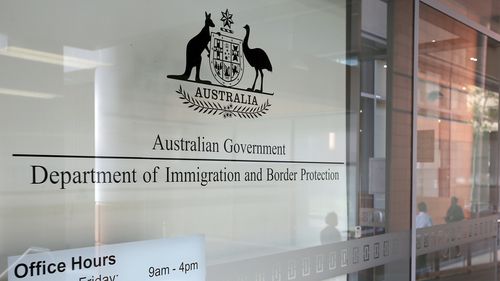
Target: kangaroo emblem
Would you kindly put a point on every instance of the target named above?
(194, 49)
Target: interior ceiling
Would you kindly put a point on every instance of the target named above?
(430, 31)
(486, 12)
(486, 9)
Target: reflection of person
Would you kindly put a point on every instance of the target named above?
(423, 218)
(330, 233)
(455, 212)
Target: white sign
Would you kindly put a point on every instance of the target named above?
(164, 259)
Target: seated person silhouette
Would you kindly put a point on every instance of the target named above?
(330, 234)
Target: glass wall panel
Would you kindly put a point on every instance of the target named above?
(267, 140)
(457, 145)
(380, 122)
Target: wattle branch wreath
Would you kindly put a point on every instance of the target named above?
(210, 107)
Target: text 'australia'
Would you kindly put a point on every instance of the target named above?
(226, 96)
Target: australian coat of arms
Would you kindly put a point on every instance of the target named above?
(227, 55)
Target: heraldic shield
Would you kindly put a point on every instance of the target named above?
(226, 59)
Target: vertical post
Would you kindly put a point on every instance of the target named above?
(416, 17)
(400, 128)
(353, 92)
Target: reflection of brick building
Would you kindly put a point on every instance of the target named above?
(455, 125)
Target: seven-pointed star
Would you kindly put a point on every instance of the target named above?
(227, 18)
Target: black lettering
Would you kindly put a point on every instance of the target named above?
(61, 267)
(24, 267)
(198, 93)
(254, 101)
(87, 263)
(228, 146)
(34, 167)
(112, 260)
(75, 263)
(237, 98)
(50, 268)
(206, 94)
(158, 143)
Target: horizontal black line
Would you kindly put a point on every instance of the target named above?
(171, 159)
